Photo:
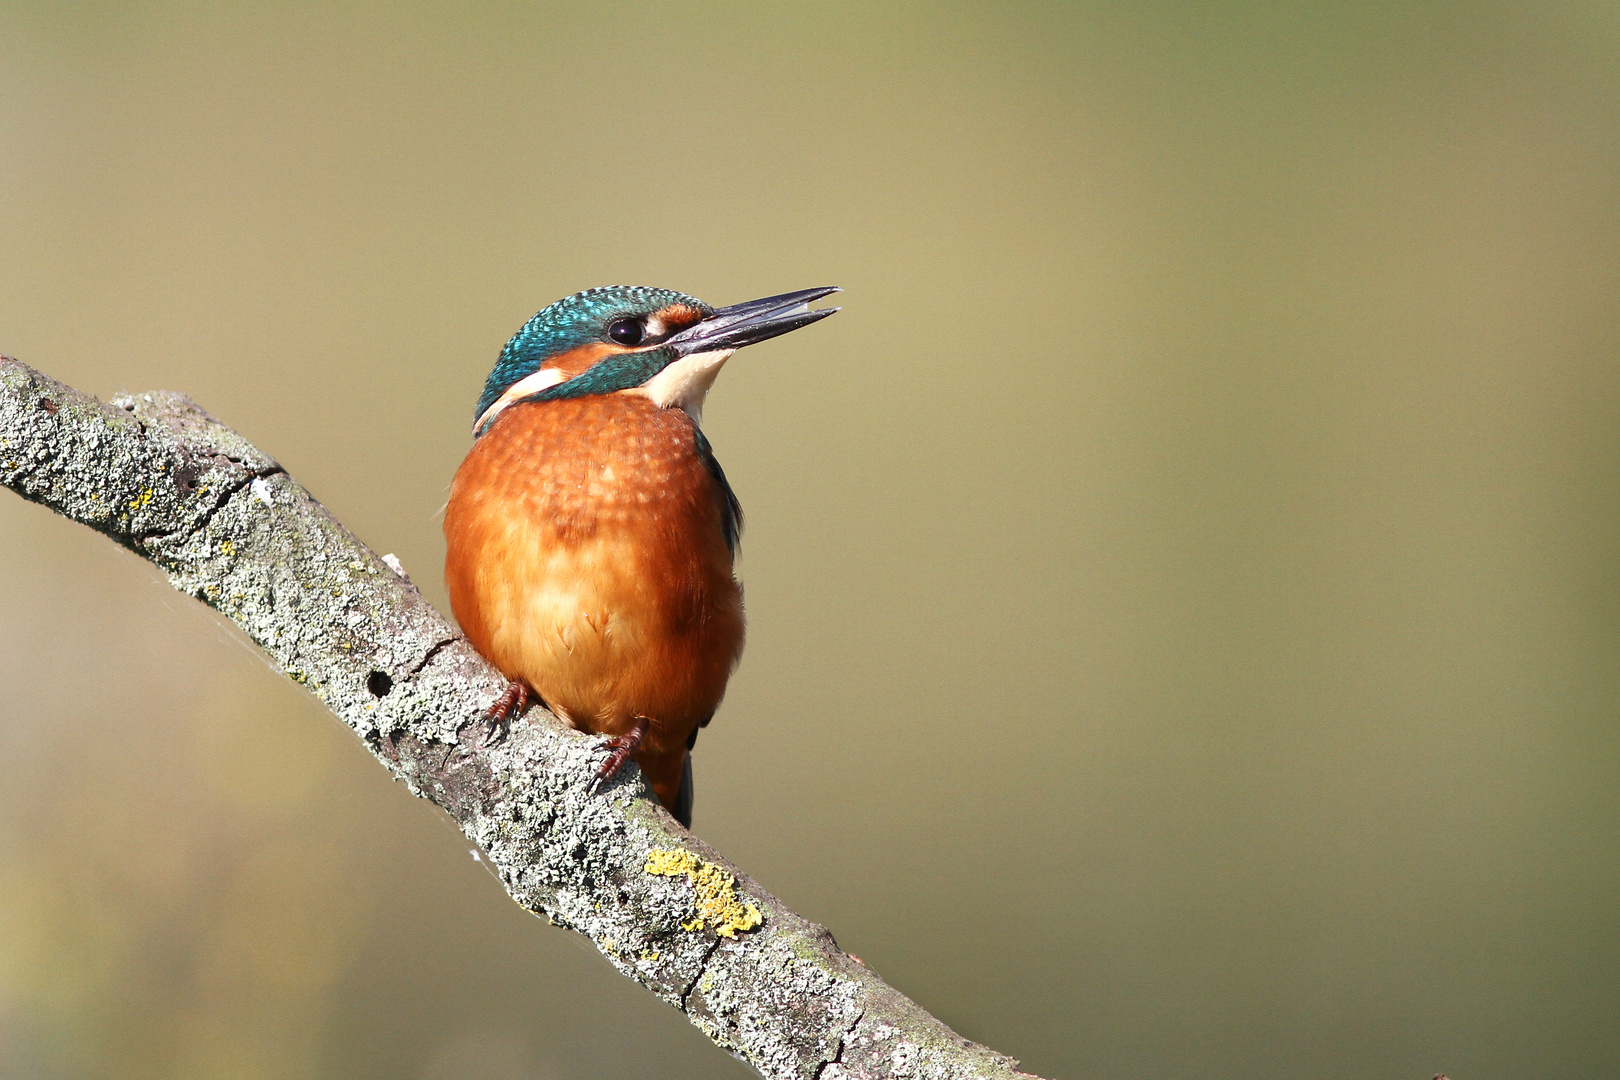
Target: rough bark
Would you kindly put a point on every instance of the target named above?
(231, 528)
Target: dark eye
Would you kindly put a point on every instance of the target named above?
(626, 331)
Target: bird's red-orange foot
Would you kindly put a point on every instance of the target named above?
(514, 700)
(591, 532)
(622, 747)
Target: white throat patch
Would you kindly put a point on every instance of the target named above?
(685, 383)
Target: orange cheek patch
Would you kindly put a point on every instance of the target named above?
(579, 360)
(677, 317)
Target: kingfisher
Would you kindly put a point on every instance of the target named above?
(591, 533)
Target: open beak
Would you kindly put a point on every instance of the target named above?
(745, 324)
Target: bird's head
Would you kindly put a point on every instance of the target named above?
(663, 344)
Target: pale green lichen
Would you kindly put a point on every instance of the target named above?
(715, 892)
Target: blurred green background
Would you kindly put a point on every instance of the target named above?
(1184, 582)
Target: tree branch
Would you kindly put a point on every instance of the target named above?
(231, 528)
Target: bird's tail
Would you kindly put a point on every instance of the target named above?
(683, 799)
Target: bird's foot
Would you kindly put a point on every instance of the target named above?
(622, 746)
(497, 720)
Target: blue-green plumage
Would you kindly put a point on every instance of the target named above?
(731, 515)
(620, 372)
(583, 319)
(591, 318)
(579, 320)
(581, 508)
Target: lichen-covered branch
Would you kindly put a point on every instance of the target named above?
(230, 527)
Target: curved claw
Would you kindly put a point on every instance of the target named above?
(623, 747)
(497, 719)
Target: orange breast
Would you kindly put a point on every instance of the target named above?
(587, 557)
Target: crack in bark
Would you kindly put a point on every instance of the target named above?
(438, 647)
(187, 531)
(557, 852)
(235, 489)
(703, 967)
(843, 1040)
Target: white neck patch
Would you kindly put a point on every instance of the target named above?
(529, 384)
(685, 383)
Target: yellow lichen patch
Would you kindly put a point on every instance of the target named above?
(716, 892)
(140, 501)
(227, 547)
